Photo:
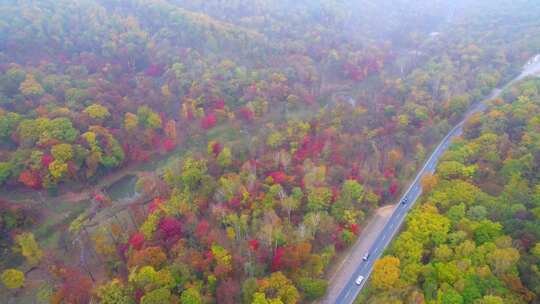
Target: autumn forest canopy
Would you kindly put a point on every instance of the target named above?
(206, 151)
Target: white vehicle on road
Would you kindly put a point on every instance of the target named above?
(366, 256)
(359, 280)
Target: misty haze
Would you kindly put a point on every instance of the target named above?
(270, 151)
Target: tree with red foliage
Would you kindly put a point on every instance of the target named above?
(279, 177)
(30, 179)
(170, 129)
(355, 229)
(170, 227)
(253, 244)
(155, 139)
(219, 104)
(228, 292)
(46, 159)
(201, 231)
(246, 114)
(234, 203)
(168, 145)
(393, 187)
(137, 240)
(215, 148)
(154, 70)
(310, 147)
(155, 204)
(353, 72)
(388, 173)
(153, 256)
(209, 121)
(74, 287)
(99, 197)
(296, 255)
(276, 260)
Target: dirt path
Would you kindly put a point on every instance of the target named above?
(340, 273)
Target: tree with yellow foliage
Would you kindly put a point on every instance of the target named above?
(30, 87)
(62, 152)
(57, 169)
(29, 248)
(13, 278)
(97, 111)
(278, 286)
(386, 273)
(131, 121)
(429, 181)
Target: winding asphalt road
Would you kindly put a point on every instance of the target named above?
(351, 290)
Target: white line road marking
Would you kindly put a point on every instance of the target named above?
(348, 293)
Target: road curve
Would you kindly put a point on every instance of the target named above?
(351, 290)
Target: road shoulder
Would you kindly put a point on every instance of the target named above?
(340, 274)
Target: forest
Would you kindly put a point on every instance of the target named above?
(257, 138)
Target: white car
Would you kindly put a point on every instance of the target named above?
(366, 256)
(359, 280)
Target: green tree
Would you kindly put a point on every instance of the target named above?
(191, 296)
(447, 272)
(224, 158)
(193, 171)
(149, 118)
(5, 171)
(407, 248)
(457, 105)
(487, 231)
(8, 124)
(536, 250)
(29, 131)
(471, 291)
(158, 296)
(153, 121)
(489, 299)
(313, 288)
(249, 287)
(477, 213)
(443, 253)
(456, 213)
(148, 278)
(319, 198)
(451, 297)
(274, 140)
(76, 96)
(260, 298)
(290, 204)
(456, 191)
(428, 226)
(503, 260)
(62, 129)
(113, 293)
(13, 79)
(351, 191)
(62, 152)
